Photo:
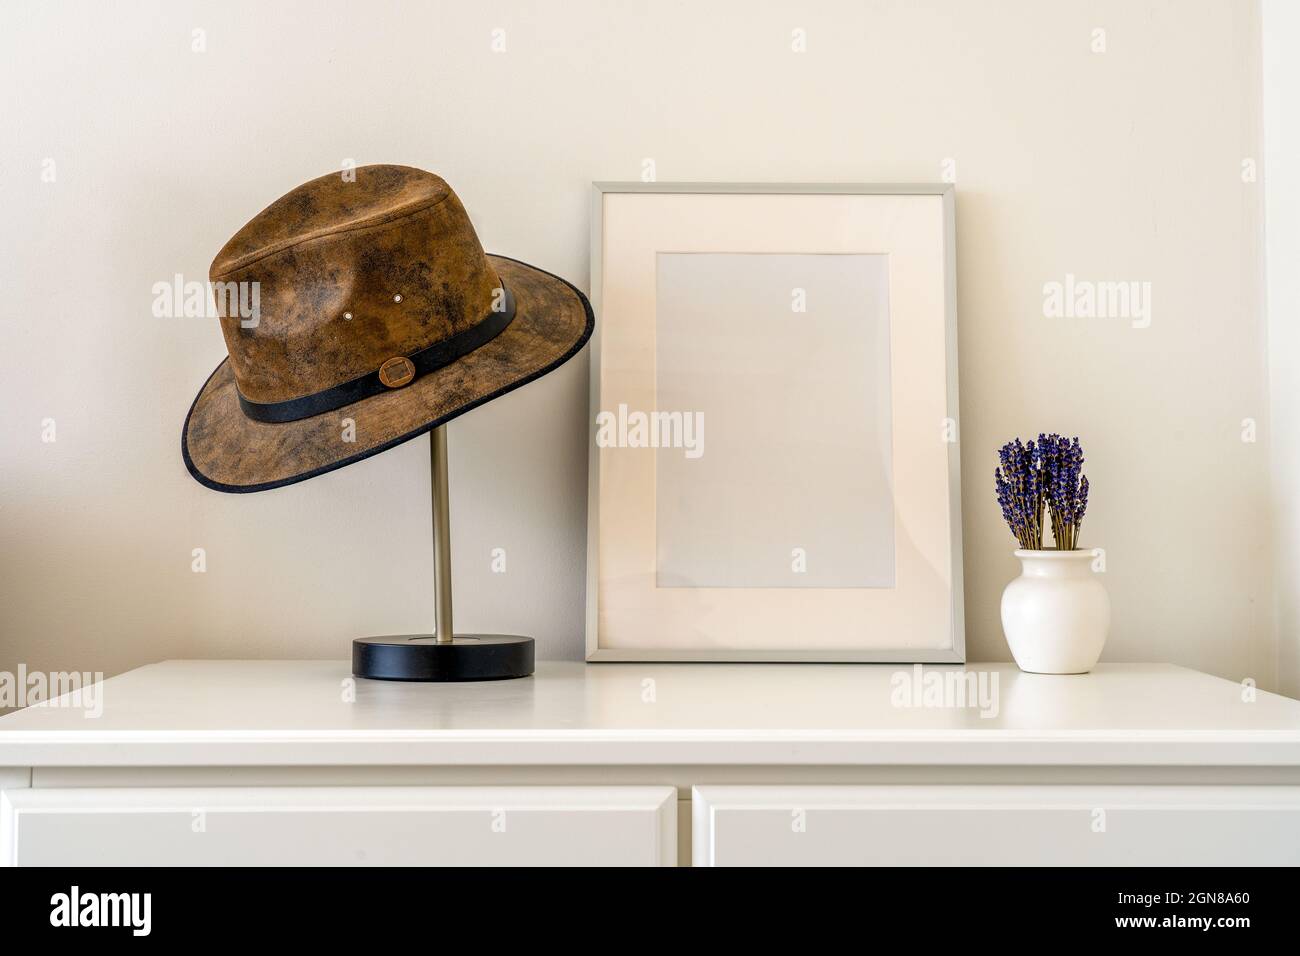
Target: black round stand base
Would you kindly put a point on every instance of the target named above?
(419, 657)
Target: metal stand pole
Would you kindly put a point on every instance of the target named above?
(441, 535)
(442, 656)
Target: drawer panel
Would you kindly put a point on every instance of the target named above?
(340, 826)
(996, 826)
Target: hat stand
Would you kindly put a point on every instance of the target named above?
(443, 655)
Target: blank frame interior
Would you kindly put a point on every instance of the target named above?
(780, 366)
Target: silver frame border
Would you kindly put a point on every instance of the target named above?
(954, 655)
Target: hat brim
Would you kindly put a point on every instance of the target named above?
(227, 451)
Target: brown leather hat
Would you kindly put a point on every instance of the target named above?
(377, 316)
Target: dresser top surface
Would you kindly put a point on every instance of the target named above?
(313, 712)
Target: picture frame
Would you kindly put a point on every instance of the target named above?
(683, 556)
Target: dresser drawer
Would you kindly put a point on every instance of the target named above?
(340, 826)
(996, 826)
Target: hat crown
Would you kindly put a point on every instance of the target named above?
(348, 272)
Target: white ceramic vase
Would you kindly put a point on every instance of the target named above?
(1056, 614)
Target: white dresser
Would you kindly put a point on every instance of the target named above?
(295, 762)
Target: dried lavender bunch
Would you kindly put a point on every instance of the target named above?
(1065, 487)
(1019, 485)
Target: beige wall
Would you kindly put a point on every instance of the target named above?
(1280, 22)
(1122, 165)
